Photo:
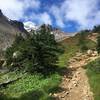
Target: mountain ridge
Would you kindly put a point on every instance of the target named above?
(8, 30)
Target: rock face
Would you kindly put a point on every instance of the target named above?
(59, 35)
(8, 31)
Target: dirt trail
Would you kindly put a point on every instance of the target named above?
(75, 85)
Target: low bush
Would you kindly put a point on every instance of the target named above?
(94, 66)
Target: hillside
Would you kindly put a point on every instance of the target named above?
(8, 30)
(90, 40)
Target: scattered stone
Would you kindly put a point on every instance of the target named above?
(4, 64)
(71, 66)
(77, 85)
(95, 52)
(16, 54)
(12, 64)
(64, 76)
(78, 54)
(93, 55)
(50, 94)
(70, 87)
(89, 52)
(67, 92)
(78, 72)
(76, 58)
(72, 60)
(62, 96)
(55, 95)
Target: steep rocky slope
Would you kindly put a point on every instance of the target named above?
(59, 35)
(8, 31)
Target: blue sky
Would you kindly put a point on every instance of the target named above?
(68, 15)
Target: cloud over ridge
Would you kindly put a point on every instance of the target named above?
(84, 13)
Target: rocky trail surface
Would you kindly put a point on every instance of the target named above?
(75, 84)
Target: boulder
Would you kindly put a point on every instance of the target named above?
(95, 53)
(89, 52)
(78, 54)
(16, 54)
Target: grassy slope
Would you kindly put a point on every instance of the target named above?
(70, 51)
(71, 48)
(93, 73)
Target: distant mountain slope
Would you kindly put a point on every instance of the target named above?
(10, 28)
(8, 31)
(59, 35)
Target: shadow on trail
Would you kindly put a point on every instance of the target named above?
(67, 72)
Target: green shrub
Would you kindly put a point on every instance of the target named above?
(93, 73)
(96, 29)
(94, 66)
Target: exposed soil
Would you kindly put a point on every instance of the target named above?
(75, 84)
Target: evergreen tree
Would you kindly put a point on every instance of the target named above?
(39, 52)
(15, 46)
(46, 49)
(96, 29)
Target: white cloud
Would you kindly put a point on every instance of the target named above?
(15, 9)
(40, 18)
(45, 18)
(58, 15)
(84, 12)
(12, 8)
(31, 3)
(81, 12)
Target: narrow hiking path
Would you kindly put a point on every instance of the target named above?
(75, 84)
